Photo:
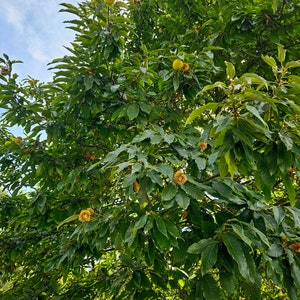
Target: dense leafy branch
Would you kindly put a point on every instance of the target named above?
(162, 161)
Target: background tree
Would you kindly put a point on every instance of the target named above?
(162, 161)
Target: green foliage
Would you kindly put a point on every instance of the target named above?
(136, 180)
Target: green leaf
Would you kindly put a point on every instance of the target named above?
(292, 64)
(217, 84)
(269, 60)
(141, 222)
(279, 214)
(200, 162)
(287, 140)
(169, 138)
(193, 190)
(252, 78)
(68, 220)
(256, 231)
(209, 257)
(275, 250)
(111, 156)
(228, 282)
(145, 135)
(232, 168)
(129, 179)
(295, 267)
(162, 241)
(133, 111)
(239, 231)
(176, 82)
(160, 225)
(222, 167)
(210, 288)
(223, 189)
(236, 251)
(199, 247)
(172, 229)
(275, 4)
(165, 170)
(294, 78)
(290, 189)
(169, 192)
(281, 51)
(130, 235)
(255, 112)
(145, 107)
(230, 70)
(198, 111)
(296, 215)
(182, 199)
(149, 224)
(88, 82)
(155, 177)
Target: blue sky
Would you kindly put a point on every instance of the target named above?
(33, 31)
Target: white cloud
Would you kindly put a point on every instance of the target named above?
(13, 16)
(34, 32)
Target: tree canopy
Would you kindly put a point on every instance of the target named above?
(162, 160)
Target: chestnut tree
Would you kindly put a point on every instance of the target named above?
(161, 161)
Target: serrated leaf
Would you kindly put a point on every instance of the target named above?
(252, 78)
(236, 251)
(210, 288)
(200, 162)
(287, 140)
(169, 138)
(292, 64)
(275, 250)
(88, 82)
(198, 111)
(172, 229)
(199, 247)
(288, 184)
(130, 235)
(232, 168)
(295, 269)
(281, 52)
(68, 220)
(133, 111)
(228, 282)
(161, 240)
(161, 226)
(169, 192)
(209, 257)
(182, 199)
(239, 231)
(217, 84)
(275, 5)
(269, 60)
(129, 179)
(145, 135)
(111, 156)
(255, 112)
(296, 215)
(125, 260)
(176, 81)
(193, 190)
(149, 224)
(256, 231)
(230, 70)
(165, 170)
(145, 107)
(155, 178)
(223, 189)
(140, 223)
